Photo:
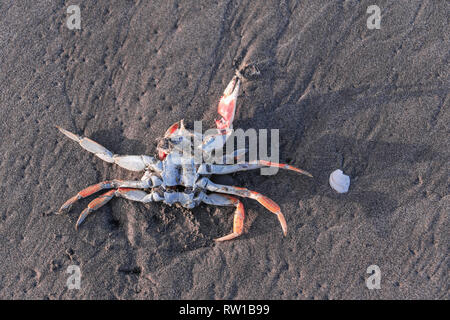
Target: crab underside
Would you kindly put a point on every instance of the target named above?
(176, 176)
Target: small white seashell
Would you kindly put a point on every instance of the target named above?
(339, 181)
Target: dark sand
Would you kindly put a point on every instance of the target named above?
(372, 102)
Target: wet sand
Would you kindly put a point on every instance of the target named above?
(373, 103)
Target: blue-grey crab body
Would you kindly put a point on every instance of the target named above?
(178, 177)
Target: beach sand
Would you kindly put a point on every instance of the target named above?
(372, 102)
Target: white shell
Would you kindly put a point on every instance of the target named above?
(339, 181)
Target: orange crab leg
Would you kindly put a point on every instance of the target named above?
(283, 166)
(127, 193)
(268, 203)
(101, 186)
(94, 205)
(239, 214)
(86, 193)
(238, 223)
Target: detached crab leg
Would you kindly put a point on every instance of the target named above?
(104, 185)
(132, 163)
(226, 169)
(127, 193)
(239, 214)
(243, 192)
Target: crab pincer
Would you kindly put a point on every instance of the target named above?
(227, 104)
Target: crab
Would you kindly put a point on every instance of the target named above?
(175, 177)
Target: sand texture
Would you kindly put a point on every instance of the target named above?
(373, 103)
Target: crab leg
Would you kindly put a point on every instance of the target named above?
(129, 162)
(94, 205)
(104, 185)
(243, 192)
(226, 169)
(127, 193)
(239, 214)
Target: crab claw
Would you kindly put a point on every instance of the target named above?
(227, 104)
(172, 129)
(169, 132)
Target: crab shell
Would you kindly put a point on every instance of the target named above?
(181, 174)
